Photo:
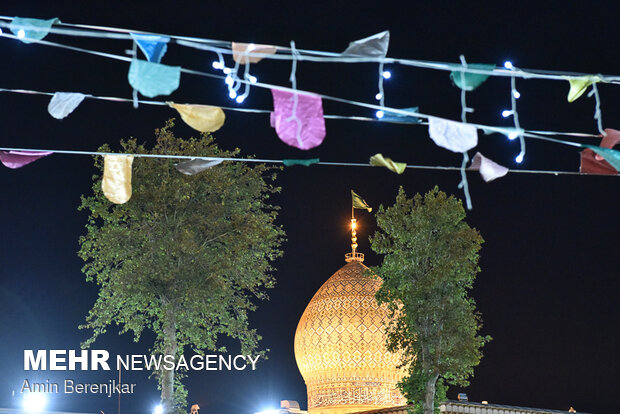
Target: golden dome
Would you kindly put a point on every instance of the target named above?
(340, 346)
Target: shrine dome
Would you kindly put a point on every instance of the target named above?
(340, 345)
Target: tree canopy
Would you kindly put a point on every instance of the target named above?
(186, 256)
(429, 265)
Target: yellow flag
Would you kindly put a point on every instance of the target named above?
(358, 202)
(116, 184)
(579, 85)
(379, 160)
(202, 118)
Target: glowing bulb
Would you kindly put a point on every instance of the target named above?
(252, 79)
(519, 158)
(506, 113)
(227, 70)
(516, 94)
(217, 65)
(21, 34)
(228, 80)
(251, 47)
(232, 94)
(508, 65)
(240, 99)
(159, 409)
(379, 114)
(34, 402)
(513, 135)
(353, 225)
(387, 74)
(378, 97)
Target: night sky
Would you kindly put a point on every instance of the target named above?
(548, 287)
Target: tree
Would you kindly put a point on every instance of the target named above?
(185, 256)
(430, 262)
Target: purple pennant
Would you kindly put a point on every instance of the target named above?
(298, 119)
(17, 159)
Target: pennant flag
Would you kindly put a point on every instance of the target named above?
(31, 30)
(489, 170)
(469, 81)
(579, 85)
(372, 46)
(193, 167)
(63, 103)
(202, 118)
(116, 183)
(17, 159)
(358, 202)
(398, 117)
(298, 118)
(244, 53)
(153, 79)
(379, 160)
(154, 47)
(455, 136)
(593, 162)
(611, 156)
(305, 163)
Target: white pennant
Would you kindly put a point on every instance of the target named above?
(63, 103)
(489, 170)
(455, 136)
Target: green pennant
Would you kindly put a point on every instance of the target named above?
(470, 81)
(31, 30)
(610, 155)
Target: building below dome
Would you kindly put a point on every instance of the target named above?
(340, 345)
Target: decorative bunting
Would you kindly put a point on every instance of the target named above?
(116, 183)
(398, 117)
(63, 103)
(579, 85)
(372, 46)
(358, 202)
(379, 160)
(611, 156)
(298, 118)
(489, 170)
(202, 118)
(593, 162)
(455, 136)
(244, 53)
(31, 30)
(154, 47)
(153, 79)
(469, 81)
(17, 159)
(193, 167)
(305, 163)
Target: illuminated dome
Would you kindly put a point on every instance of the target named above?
(340, 346)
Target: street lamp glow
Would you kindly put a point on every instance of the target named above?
(34, 402)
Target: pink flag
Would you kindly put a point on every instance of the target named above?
(17, 159)
(489, 170)
(298, 119)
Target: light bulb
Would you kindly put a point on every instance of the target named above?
(251, 47)
(508, 65)
(513, 135)
(21, 34)
(158, 410)
(506, 113)
(252, 79)
(379, 114)
(229, 80)
(387, 74)
(227, 70)
(232, 94)
(217, 65)
(378, 97)
(240, 99)
(519, 158)
(516, 94)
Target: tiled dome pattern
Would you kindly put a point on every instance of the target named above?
(340, 346)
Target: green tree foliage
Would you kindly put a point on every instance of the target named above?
(430, 263)
(186, 256)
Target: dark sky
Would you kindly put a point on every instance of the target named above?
(549, 283)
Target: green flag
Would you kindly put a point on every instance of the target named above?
(358, 202)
